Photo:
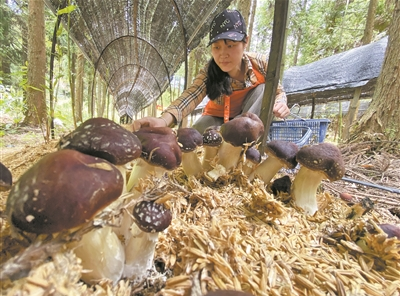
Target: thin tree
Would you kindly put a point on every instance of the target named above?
(366, 39)
(79, 87)
(5, 41)
(244, 7)
(251, 22)
(36, 110)
(383, 114)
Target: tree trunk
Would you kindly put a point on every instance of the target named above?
(366, 39)
(36, 111)
(299, 36)
(283, 60)
(72, 77)
(383, 114)
(90, 93)
(79, 88)
(369, 25)
(297, 47)
(352, 112)
(5, 40)
(251, 22)
(244, 7)
(101, 98)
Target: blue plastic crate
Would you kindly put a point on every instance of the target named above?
(301, 131)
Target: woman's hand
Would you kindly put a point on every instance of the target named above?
(165, 120)
(281, 110)
(148, 122)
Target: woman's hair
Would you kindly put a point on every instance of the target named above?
(218, 82)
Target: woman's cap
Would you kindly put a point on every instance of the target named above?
(229, 24)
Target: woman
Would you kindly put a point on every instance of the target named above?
(233, 80)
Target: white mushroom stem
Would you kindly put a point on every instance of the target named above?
(304, 189)
(228, 158)
(267, 169)
(101, 254)
(139, 254)
(229, 155)
(191, 163)
(210, 152)
(141, 169)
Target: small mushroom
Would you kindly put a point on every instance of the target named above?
(5, 178)
(391, 230)
(317, 162)
(212, 140)
(160, 153)
(106, 139)
(151, 216)
(245, 129)
(150, 219)
(252, 161)
(63, 190)
(190, 139)
(280, 154)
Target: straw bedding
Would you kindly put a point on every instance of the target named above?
(233, 234)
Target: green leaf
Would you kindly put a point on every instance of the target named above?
(66, 10)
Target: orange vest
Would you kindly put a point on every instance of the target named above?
(233, 103)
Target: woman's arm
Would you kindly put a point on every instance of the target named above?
(180, 108)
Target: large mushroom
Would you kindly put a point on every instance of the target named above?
(245, 129)
(5, 178)
(150, 219)
(212, 140)
(190, 139)
(280, 154)
(63, 190)
(102, 137)
(317, 162)
(160, 153)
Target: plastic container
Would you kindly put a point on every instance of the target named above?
(300, 131)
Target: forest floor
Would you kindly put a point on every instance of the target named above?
(376, 162)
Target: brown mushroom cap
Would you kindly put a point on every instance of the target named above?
(5, 178)
(63, 190)
(212, 136)
(103, 138)
(284, 151)
(253, 155)
(246, 128)
(189, 138)
(324, 157)
(151, 216)
(160, 147)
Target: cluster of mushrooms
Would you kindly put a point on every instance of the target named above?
(100, 161)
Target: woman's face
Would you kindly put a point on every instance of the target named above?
(228, 55)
